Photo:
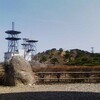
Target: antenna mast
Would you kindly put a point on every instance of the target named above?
(12, 42)
(29, 47)
(13, 25)
(92, 50)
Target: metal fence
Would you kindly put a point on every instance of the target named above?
(68, 77)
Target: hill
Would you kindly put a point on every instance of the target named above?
(75, 57)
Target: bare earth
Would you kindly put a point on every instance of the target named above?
(51, 92)
(53, 87)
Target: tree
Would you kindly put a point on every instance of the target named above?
(53, 49)
(60, 50)
(43, 59)
(67, 55)
(54, 60)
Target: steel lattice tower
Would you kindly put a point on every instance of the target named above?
(12, 43)
(29, 47)
(12, 39)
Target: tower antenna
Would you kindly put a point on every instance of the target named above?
(29, 47)
(12, 43)
(13, 25)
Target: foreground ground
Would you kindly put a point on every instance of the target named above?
(51, 92)
(53, 87)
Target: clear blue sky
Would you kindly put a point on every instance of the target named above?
(67, 24)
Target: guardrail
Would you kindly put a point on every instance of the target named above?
(66, 77)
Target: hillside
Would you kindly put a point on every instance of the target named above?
(73, 57)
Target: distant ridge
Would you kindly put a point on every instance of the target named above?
(73, 57)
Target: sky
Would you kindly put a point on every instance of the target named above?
(67, 24)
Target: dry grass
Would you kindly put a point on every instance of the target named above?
(66, 68)
(2, 74)
(85, 76)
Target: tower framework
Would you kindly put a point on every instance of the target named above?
(29, 47)
(12, 42)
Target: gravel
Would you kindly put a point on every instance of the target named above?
(51, 92)
(53, 87)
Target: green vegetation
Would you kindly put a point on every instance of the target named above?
(73, 57)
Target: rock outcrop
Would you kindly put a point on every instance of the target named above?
(2, 74)
(19, 71)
